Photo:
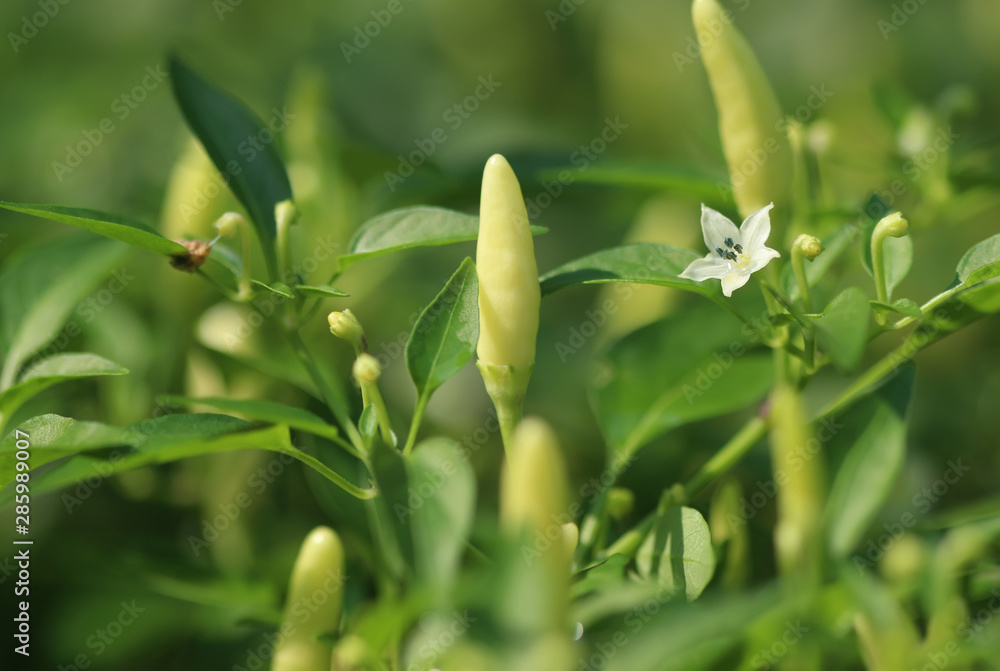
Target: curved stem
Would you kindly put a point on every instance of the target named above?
(418, 415)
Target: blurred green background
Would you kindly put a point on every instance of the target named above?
(892, 80)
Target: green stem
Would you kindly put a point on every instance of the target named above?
(726, 457)
(418, 416)
(332, 395)
(381, 412)
(894, 226)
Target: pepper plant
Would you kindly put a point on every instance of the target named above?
(557, 580)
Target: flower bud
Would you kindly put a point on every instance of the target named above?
(892, 225)
(346, 326)
(285, 214)
(759, 156)
(810, 246)
(316, 584)
(366, 369)
(621, 501)
(509, 293)
(228, 223)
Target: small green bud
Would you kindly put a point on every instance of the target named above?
(810, 246)
(285, 213)
(621, 501)
(346, 326)
(228, 223)
(892, 225)
(316, 584)
(366, 369)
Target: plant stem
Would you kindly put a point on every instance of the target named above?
(726, 457)
(332, 395)
(418, 416)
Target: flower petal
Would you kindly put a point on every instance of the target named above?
(761, 257)
(755, 229)
(716, 228)
(710, 267)
(734, 281)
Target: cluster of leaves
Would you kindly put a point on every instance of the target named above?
(416, 508)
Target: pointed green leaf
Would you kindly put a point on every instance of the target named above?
(411, 227)
(642, 263)
(842, 329)
(444, 336)
(171, 438)
(111, 226)
(232, 136)
(984, 255)
(34, 315)
(277, 288)
(322, 291)
(441, 507)
(678, 552)
(263, 411)
(687, 367)
(874, 433)
(51, 371)
(900, 306)
(53, 437)
(393, 482)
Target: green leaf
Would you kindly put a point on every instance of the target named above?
(444, 336)
(225, 126)
(842, 329)
(322, 291)
(411, 227)
(642, 263)
(687, 367)
(278, 288)
(897, 254)
(263, 411)
(984, 255)
(441, 507)
(171, 438)
(53, 437)
(37, 301)
(607, 574)
(659, 177)
(875, 431)
(900, 306)
(678, 552)
(51, 371)
(393, 482)
(111, 226)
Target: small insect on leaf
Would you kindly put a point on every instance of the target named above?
(197, 253)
